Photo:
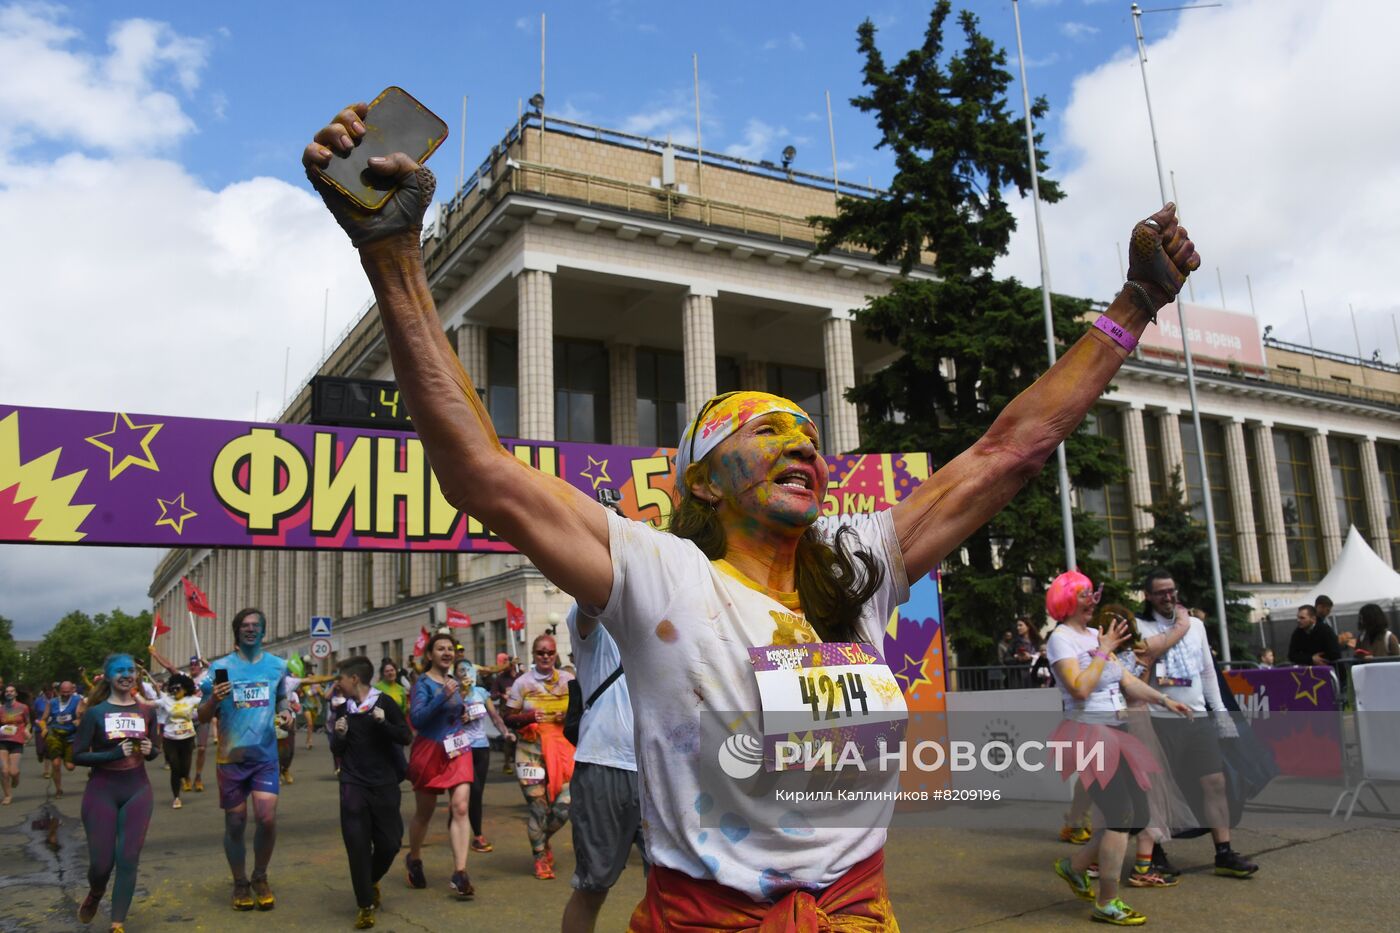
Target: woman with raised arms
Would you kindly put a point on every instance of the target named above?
(746, 561)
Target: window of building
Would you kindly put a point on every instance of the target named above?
(581, 392)
(1291, 369)
(1111, 504)
(661, 415)
(403, 574)
(726, 374)
(383, 653)
(446, 568)
(367, 580)
(502, 381)
(1221, 497)
(1388, 456)
(1256, 495)
(1345, 457)
(806, 387)
(1298, 492)
(335, 606)
(500, 639)
(1156, 463)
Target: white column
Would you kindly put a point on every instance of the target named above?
(622, 392)
(1139, 473)
(1326, 497)
(535, 327)
(1246, 541)
(1271, 501)
(1170, 423)
(471, 350)
(698, 343)
(1375, 500)
(422, 573)
(351, 600)
(842, 428)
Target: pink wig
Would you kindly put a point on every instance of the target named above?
(1062, 598)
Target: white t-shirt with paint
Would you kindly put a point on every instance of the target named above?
(1107, 699)
(683, 626)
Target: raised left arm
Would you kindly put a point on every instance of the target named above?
(965, 494)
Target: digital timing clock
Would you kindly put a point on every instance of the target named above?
(358, 403)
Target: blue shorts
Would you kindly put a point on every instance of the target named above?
(238, 780)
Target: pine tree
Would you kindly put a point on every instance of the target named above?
(970, 342)
(1178, 543)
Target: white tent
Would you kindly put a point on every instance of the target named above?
(1359, 576)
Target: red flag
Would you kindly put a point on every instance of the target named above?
(160, 628)
(195, 600)
(458, 619)
(515, 617)
(421, 644)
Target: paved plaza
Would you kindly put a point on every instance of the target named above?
(1317, 873)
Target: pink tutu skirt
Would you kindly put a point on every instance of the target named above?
(1120, 747)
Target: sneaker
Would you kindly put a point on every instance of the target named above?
(1151, 879)
(1077, 882)
(262, 892)
(364, 918)
(1161, 864)
(88, 908)
(479, 844)
(543, 870)
(415, 872)
(1093, 870)
(1118, 914)
(243, 896)
(199, 785)
(462, 885)
(185, 785)
(287, 778)
(176, 805)
(1075, 835)
(1234, 865)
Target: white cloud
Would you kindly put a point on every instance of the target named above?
(1272, 118)
(791, 41)
(135, 286)
(761, 141)
(1077, 31)
(526, 24)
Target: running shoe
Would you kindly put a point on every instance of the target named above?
(185, 785)
(543, 870)
(1077, 882)
(1234, 865)
(1075, 835)
(1118, 914)
(1152, 879)
(462, 885)
(1093, 870)
(479, 844)
(1161, 864)
(88, 908)
(177, 804)
(364, 919)
(287, 777)
(415, 872)
(262, 891)
(243, 896)
(118, 928)
(199, 785)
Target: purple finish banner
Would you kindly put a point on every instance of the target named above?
(1303, 746)
(119, 478)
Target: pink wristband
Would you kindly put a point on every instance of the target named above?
(1100, 655)
(1119, 333)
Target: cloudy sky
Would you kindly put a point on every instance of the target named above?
(161, 252)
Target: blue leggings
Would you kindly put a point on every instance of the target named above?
(116, 812)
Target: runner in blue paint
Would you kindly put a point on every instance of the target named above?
(59, 723)
(249, 697)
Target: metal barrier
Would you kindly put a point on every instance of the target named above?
(1353, 753)
(994, 677)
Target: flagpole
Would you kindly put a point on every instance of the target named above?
(195, 635)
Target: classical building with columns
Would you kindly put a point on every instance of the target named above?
(600, 286)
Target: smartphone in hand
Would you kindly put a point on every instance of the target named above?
(396, 122)
(220, 676)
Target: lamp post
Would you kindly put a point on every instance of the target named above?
(1190, 364)
(1066, 509)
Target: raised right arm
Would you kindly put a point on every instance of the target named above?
(559, 528)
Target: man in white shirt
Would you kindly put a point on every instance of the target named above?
(606, 811)
(1186, 672)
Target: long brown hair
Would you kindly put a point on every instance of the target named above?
(831, 589)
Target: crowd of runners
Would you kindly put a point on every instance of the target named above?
(747, 562)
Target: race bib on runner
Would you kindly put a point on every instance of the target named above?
(476, 710)
(456, 743)
(1115, 696)
(8, 730)
(124, 726)
(529, 774)
(253, 694)
(179, 728)
(1164, 681)
(834, 692)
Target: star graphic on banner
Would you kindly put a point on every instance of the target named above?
(127, 445)
(174, 512)
(1308, 692)
(600, 467)
(911, 672)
